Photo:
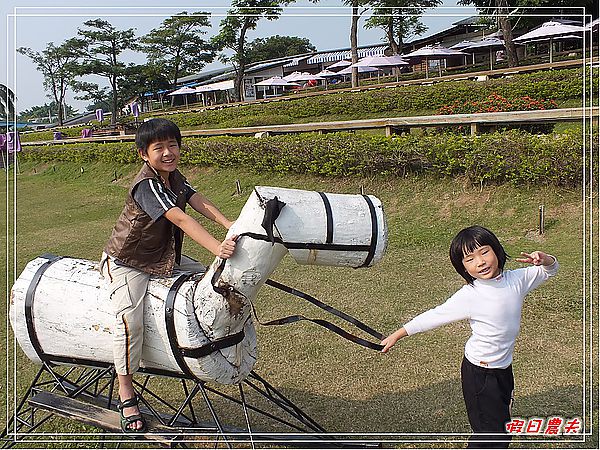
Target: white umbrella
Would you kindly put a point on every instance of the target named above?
(292, 76)
(489, 43)
(183, 91)
(326, 73)
(305, 76)
(549, 31)
(339, 64)
(435, 52)
(381, 61)
(274, 82)
(361, 69)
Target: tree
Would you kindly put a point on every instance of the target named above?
(45, 112)
(7, 102)
(102, 44)
(177, 45)
(57, 66)
(143, 79)
(241, 18)
(502, 8)
(399, 19)
(263, 49)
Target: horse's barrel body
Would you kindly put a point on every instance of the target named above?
(338, 229)
(60, 312)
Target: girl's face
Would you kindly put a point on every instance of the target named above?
(482, 263)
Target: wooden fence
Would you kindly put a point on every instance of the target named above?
(477, 123)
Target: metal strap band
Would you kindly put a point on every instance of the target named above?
(329, 238)
(374, 232)
(213, 346)
(29, 298)
(310, 245)
(170, 323)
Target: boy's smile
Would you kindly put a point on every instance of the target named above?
(482, 263)
(163, 156)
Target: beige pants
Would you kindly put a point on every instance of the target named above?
(127, 289)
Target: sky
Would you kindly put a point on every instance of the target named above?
(33, 24)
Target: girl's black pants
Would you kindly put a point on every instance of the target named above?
(488, 395)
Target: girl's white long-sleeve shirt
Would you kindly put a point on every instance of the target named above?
(493, 308)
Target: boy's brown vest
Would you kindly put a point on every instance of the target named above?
(140, 242)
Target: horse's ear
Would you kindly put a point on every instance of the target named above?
(272, 209)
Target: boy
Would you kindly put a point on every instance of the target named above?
(145, 241)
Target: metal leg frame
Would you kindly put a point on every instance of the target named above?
(97, 385)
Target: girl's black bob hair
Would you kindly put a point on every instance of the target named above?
(155, 130)
(468, 240)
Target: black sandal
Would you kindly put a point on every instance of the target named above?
(129, 420)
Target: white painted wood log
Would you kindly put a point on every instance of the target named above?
(71, 313)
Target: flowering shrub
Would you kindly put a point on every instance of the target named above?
(497, 103)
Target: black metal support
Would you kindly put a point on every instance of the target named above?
(188, 411)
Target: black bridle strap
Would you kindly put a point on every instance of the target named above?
(330, 309)
(224, 291)
(330, 326)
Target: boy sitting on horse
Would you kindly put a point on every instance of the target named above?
(146, 241)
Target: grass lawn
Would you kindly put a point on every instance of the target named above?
(416, 387)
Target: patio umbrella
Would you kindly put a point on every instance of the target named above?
(292, 76)
(339, 64)
(305, 76)
(549, 31)
(326, 74)
(184, 91)
(274, 82)
(435, 52)
(361, 69)
(490, 43)
(381, 61)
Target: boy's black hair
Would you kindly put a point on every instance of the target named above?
(155, 130)
(467, 240)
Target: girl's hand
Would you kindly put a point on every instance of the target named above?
(227, 248)
(389, 341)
(536, 258)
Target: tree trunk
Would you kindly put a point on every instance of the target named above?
(396, 50)
(354, 41)
(239, 74)
(115, 96)
(506, 27)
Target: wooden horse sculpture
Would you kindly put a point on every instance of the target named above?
(199, 325)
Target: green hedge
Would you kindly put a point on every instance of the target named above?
(510, 156)
(71, 132)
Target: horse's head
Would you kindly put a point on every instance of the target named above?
(316, 228)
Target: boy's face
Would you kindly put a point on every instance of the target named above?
(163, 156)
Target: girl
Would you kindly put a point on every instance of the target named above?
(491, 301)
